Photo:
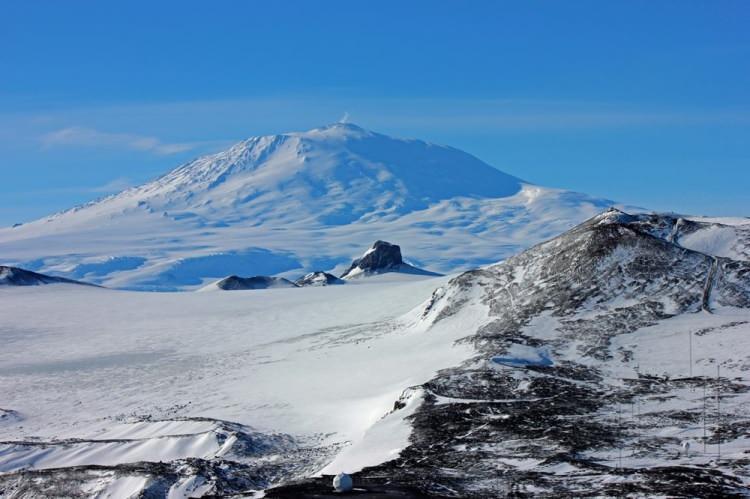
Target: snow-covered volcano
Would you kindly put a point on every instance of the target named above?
(257, 207)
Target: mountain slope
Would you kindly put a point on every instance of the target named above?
(255, 208)
(595, 363)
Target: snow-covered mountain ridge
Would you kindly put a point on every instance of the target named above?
(594, 369)
(256, 208)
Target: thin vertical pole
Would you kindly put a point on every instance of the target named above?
(638, 421)
(619, 430)
(704, 416)
(718, 408)
(638, 415)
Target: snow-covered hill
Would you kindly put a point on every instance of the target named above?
(293, 203)
(578, 367)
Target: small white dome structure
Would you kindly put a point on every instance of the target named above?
(342, 483)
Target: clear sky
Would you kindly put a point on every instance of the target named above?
(644, 102)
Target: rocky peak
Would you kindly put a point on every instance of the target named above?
(380, 258)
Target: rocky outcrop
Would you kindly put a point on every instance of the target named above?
(14, 276)
(318, 279)
(382, 257)
(235, 283)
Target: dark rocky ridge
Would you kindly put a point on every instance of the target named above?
(14, 276)
(235, 283)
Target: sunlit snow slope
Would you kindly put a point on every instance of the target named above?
(237, 390)
(297, 202)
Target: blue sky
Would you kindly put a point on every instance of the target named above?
(640, 101)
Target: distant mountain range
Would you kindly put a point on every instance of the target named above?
(294, 203)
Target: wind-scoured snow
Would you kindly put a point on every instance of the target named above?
(127, 379)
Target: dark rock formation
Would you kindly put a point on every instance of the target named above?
(382, 257)
(13, 276)
(235, 283)
(318, 278)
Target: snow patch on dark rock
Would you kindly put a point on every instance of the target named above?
(318, 279)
